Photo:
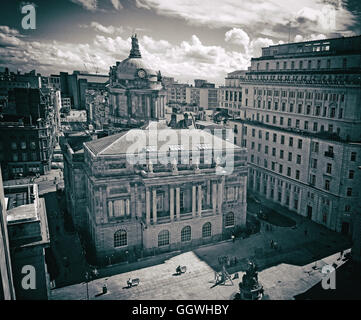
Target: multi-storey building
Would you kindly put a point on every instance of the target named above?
(28, 133)
(177, 93)
(136, 209)
(28, 234)
(204, 98)
(230, 95)
(301, 122)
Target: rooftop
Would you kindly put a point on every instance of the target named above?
(185, 139)
(21, 205)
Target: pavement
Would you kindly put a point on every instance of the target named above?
(284, 273)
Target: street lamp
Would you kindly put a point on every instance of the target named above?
(87, 280)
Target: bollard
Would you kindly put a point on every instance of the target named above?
(105, 289)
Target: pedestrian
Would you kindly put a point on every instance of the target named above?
(272, 244)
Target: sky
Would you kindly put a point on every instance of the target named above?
(184, 39)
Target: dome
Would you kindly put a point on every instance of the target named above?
(130, 67)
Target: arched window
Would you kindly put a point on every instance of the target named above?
(207, 230)
(229, 219)
(163, 238)
(186, 234)
(120, 238)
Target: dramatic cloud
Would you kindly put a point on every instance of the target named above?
(186, 60)
(103, 29)
(90, 5)
(116, 4)
(267, 18)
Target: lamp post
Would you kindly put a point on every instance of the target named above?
(87, 279)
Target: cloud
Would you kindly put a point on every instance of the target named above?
(260, 17)
(8, 31)
(116, 4)
(90, 5)
(103, 29)
(238, 36)
(299, 38)
(184, 60)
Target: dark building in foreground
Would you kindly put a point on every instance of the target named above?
(7, 291)
(28, 234)
(28, 133)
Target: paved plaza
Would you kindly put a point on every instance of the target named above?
(284, 273)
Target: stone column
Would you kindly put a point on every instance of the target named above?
(268, 187)
(283, 199)
(194, 199)
(261, 184)
(154, 206)
(300, 209)
(291, 199)
(254, 180)
(208, 192)
(147, 206)
(214, 197)
(178, 203)
(171, 203)
(220, 196)
(199, 200)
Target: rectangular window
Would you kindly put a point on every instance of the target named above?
(327, 185)
(299, 143)
(297, 174)
(329, 168)
(274, 137)
(288, 171)
(353, 156)
(298, 161)
(290, 142)
(290, 156)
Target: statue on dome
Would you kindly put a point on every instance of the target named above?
(135, 52)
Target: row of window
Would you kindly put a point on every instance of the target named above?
(121, 237)
(296, 123)
(303, 64)
(325, 96)
(329, 112)
(274, 138)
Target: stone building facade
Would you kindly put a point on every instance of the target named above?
(135, 90)
(138, 209)
(301, 123)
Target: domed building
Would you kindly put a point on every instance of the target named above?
(136, 91)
